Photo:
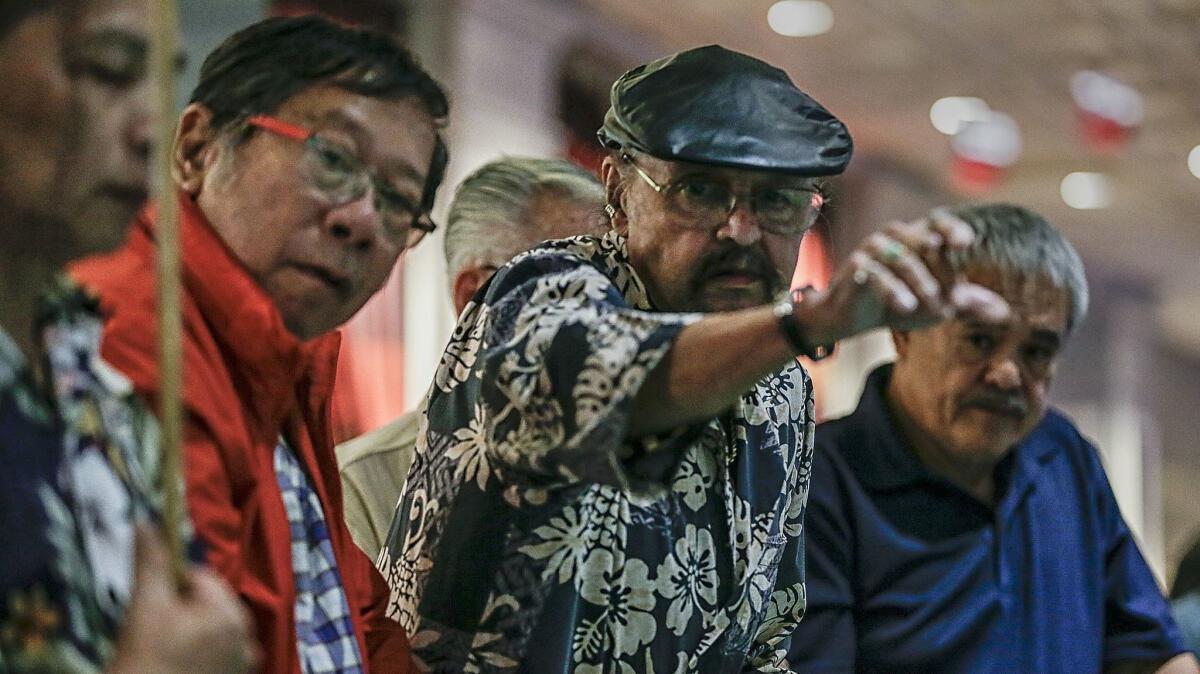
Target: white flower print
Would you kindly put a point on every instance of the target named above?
(563, 543)
(463, 349)
(623, 588)
(694, 478)
(688, 578)
(784, 611)
(404, 574)
(598, 522)
(103, 506)
(469, 450)
(605, 512)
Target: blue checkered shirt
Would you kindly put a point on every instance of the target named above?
(324, 634)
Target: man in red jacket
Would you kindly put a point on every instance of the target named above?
(306, 163)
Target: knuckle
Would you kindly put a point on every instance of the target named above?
(877, 241)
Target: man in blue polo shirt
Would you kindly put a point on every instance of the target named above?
(955, 524)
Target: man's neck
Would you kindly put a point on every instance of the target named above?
(977, 478)
(23, 281)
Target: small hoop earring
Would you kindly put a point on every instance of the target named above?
(610, 211)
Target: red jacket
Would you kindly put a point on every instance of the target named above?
(246, 380)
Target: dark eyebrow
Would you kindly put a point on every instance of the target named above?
(1047, 335)
(136, 45)
(974, 324)
(340, 120)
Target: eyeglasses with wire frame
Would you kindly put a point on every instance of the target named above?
(343, 178)
(707, 201)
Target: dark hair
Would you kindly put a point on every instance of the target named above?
(13, 12)
(1187, 576)
(259, 68)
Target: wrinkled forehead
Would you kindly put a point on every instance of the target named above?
(1033, 297)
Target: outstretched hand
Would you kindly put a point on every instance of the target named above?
(901, 278)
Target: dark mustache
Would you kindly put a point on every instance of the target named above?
(996, 401)
(736, 260)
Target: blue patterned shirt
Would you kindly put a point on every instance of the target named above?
(534, 536)
(324, 633)
(79, 465)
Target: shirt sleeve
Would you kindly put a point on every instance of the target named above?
(1137, 617)
(541, 376)
(825, 641)
(366, 528)
(786, 606)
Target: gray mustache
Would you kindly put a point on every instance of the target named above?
(1003, 403)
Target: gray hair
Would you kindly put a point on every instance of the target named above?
(489, 219)
(1016, 239)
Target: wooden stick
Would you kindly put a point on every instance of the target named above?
(164, 23)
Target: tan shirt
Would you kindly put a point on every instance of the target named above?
(373, 468)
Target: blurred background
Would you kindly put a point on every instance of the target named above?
(1087, 111)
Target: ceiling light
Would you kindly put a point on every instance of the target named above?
(800, 18)
(994, 140)
(1194, 161)
(1107, 97)
(1086, 191)
(950, 114)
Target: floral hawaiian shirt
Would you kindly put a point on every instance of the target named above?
(78, 467)
(534, 536)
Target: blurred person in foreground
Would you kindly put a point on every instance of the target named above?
(957, 524)
(306, 164)
(501, 209)
(85, 582)
(1185, 596)
(612, 464)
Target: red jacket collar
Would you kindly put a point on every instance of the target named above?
(271, 362)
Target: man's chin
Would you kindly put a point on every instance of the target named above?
(726, 305)
(101, 225)
(988, 442)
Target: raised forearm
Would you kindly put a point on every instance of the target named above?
(710, 365)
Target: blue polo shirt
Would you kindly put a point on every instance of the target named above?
(907, 572)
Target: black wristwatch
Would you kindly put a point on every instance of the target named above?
(785, 318)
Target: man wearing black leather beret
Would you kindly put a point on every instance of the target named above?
(614, 467)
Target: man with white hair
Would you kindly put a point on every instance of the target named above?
(501, 209)
(957, 523)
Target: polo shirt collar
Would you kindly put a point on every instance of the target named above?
(893, 465)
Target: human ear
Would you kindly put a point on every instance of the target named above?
(614, 192)
(195, 149)
(466, 283)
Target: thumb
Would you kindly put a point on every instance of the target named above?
(971, 300)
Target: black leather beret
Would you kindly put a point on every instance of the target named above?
(715, 106)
